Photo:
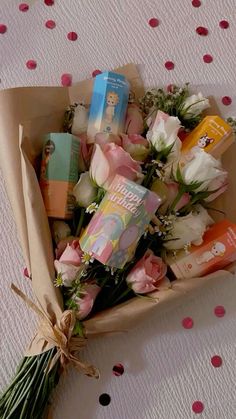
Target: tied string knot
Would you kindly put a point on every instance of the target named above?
(61, 336)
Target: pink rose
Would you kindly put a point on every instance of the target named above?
(147, 273)
(109, 160)
(86, 300)
(62, 245)
(72, 254)
(67, 272)
(104, 138)
(172, 191)
(134, 120)
(136, 145)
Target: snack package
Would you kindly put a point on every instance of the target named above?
(213, 135)
(59, 174)
(121, 219)
(217, 251)
(108, 105)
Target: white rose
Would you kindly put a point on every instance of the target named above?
(164, 131)
(194, 105)
(68, 272)
(80, 120)
(60, 230)
(85, 191)
(188, 230)
(201, 168)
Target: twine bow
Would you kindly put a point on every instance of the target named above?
(61, 336)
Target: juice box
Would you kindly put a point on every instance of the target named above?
(213, 135)
(112, 235)
(217, 251)
(108, 106)
(59, 173)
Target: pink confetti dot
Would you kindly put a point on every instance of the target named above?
(226, 100)
(50, 24)
(170, 88)
(219, 311)
(31, 64)
(197, 407)
(96, 72)
(202, 31)
(23, 7)
(224, 24)
(72, 36)
(196, 3)
(66, 79)
(49, 2)
(187, 323)
(169, 65)
(118, 370)
(216, 361)
(153, 22)
(207, 58)
(26, 273)
(3, 28)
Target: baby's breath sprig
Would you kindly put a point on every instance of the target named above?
(92, 208)
(232, 122)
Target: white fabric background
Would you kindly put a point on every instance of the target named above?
(167, 367)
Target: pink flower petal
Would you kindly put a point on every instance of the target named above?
(153, 22)
(23, 7)
(49, 2)
(96, 72)
(169, 65)
(66, 79)
(198, 407)
(224, 24)
(72, 36)
(207, 58)
(50, 24)
(31, 64)
(187, 323)
(196, 3)
(226, 100)
(202, 31)
(3, 28)
(219, 311)
(216, 361)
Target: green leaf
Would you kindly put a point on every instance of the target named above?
(78, 329)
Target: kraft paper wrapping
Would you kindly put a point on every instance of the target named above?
(26, 114)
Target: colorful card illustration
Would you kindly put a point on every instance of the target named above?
(121, 219)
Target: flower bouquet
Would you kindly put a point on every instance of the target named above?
(121, 208)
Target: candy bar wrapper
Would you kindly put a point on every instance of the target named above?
(26, 115)
(212, 135)
(121, 219)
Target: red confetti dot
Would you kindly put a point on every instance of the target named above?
(23, 7)
(219, 311)
(187, 323)
(31, 64)
(50, 24)
(169, 65)
(26, 273)
(3, 28)
(198, 407)
(202, 31)
(96, 72)
(196, 3)
(66, 79)
(153, 22)
(216, 361)
(226, 100)
(72, 36)
(224, 24)
(118, 370)
(49, 2)
(207, 58)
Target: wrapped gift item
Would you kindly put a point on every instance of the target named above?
(213, 135)
(121, 219)
(59, 174)
(217, 251)
(108, 105)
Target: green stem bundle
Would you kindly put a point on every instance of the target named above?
(28, 395)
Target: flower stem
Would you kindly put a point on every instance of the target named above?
(177, 198)
(80, 224)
